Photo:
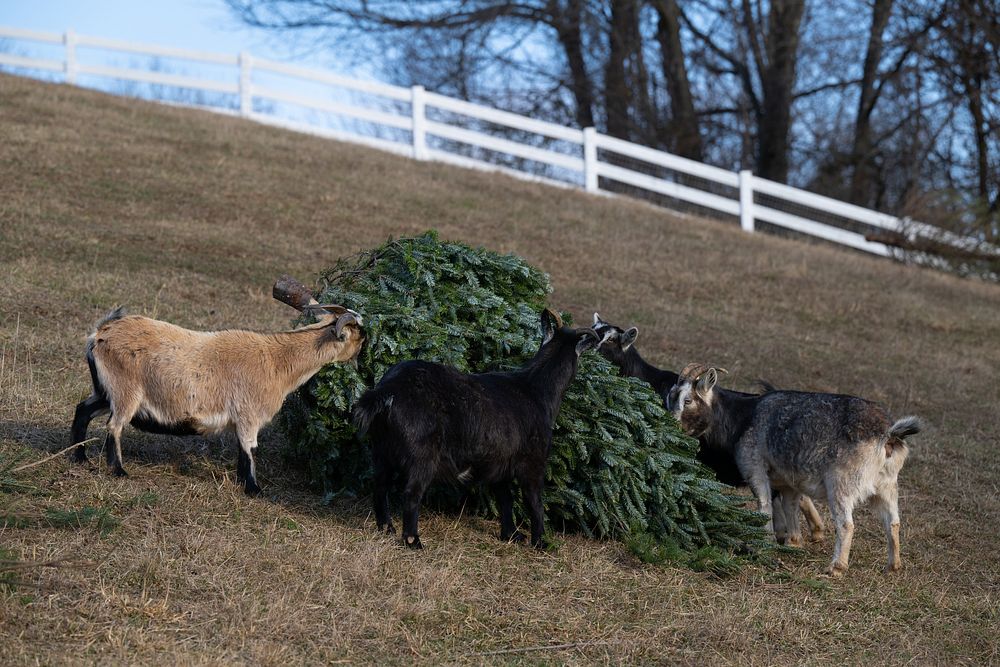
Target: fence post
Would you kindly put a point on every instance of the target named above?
(246, 92)
(746, 200)
(419, 123)
(590, 159)
(69, 67)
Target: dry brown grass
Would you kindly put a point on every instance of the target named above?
(190, 217)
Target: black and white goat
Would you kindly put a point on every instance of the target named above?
(804, 443)
(162, 378)
(428, 422)
(619, 348)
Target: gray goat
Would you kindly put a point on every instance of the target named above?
(618, 348)
(804, 443)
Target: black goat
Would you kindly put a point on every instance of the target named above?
(799, 442)
(618, 347)
(431, 422)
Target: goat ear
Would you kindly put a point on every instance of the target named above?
(706, 382)
(549, 325)
(589, 340)
(597, 320)
(629, 337)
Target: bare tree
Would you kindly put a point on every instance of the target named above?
(879, 110)
(684, 134)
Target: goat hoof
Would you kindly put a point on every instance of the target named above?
(516, 537)
(413, 542)
(541, 544)
(251, 489)
(893, 567)
(387, 528)
(794, 541)
(119, 472)
(80, 456)
(836, 571)
(816, 536)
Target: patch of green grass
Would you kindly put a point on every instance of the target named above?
(99, 518)
(7, 579)
(708, 558)
(145, 499)
(15, 520)
(815, 584)
(648, 549)
(9, 483)
(715, 560)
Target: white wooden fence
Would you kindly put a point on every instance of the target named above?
(427, 126)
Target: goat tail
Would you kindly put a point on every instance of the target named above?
(115, 314)
(765, 386)
(369, 406)
(906, 426)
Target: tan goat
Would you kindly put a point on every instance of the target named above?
(162, 378)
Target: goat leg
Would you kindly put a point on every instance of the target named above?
(412, 495)
(381, 497)
(113, 451)
(842, 511)
(505, 502)
(533, 496)
(778, 516)
(85, 412)
(813, 518)
(248, 442)
(789, 507)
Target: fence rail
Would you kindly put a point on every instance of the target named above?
(428, 126)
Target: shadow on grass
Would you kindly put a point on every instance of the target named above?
(211, 458)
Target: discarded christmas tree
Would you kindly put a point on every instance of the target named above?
(619, 468)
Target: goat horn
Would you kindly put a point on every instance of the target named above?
(343, 321)
(693, 371)
(556, 317)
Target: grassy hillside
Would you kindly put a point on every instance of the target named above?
(189, 217)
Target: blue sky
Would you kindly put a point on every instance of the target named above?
(197, 25)
(204, 25)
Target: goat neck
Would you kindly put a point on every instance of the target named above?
(633, 365)
(552, 369)
(305, 350)
(731, 416)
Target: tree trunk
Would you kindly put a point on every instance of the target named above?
(684, 135)
(617, 93)
(974, 93)
(861, 154)
(290, 291)
(777, 83)
(569, 28)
